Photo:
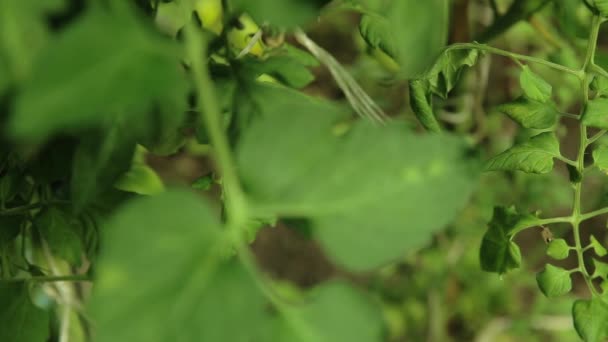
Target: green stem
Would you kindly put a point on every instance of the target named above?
(46, 279)
(24, 209)
(567, 161)
(515, 56)
(595, 137)
(593, 214)
(543, 222)
(584, 143)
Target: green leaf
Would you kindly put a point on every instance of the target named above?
(601, 269)
(61, 233)
(600, 86)
(530, 114)
(591, 319)
(336, 312)
(597, 246)
(99, 161)
(600, 157)
(377, 32)
(100, 66)
(498, 253)
(596, 113)
(187, 290)
(421, 106)
(444, 74)
(141, 179)
(532, 156)
(10, 184)
(372, 193)
(554, 281)
(534, 87)
(286, 13)
(602, 7)
(286, 69)
(558, 249)
(20, 320)
(203, 183)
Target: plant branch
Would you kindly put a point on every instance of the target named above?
(515, 56)
(595, 137)
(46, 279)
(593, 214)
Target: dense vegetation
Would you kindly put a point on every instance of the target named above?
(296, 170)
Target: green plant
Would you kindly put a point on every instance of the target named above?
(536, 110)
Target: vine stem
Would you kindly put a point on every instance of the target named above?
(584, 143)
(237, 208)
(515, 56)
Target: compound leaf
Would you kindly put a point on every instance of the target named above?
(533, 156)
(530, 113)
(554, 281)
(372, 193)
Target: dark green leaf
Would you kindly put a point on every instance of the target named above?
(99, 66)
(20, 320)
(534, 87)
(10, 226)
(61, 233)
(530, 114)
(591, 319)
(558, 249)
(203, 183)
(99, 161)
(596, 113)
(498, 253)
(554, 281)
(372, 193)
(421, 106)
(533, 156)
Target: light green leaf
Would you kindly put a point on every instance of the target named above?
(372, 193)
(335, 312)
(498, 253)
(141, 179)
(61, 233)
(530, 114)
(602, 7)
(601, 269)
(421, 106)
(533, 156)
(20, 320)
(99, 161)
(591, 319)
(187, 290)
(534, 87)
(554, 281)
(596, 113)
(600, 85)
(600, 157)
(286, 69)
(100, 66)
(377, 32)
(597, 246)
(184, 290)
(558, 249)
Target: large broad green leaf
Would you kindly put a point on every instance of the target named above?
(100, 66)
(596, 113)
(160, 276)
(554, 281)
(409, 31)
(530, 113)
(163, 276)
(591, 319)
(498, 253)
(61, 233)
(534, 87)
(372, 193)
(533, 156)
(20, 320)
(99, 161)
(286, 13)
